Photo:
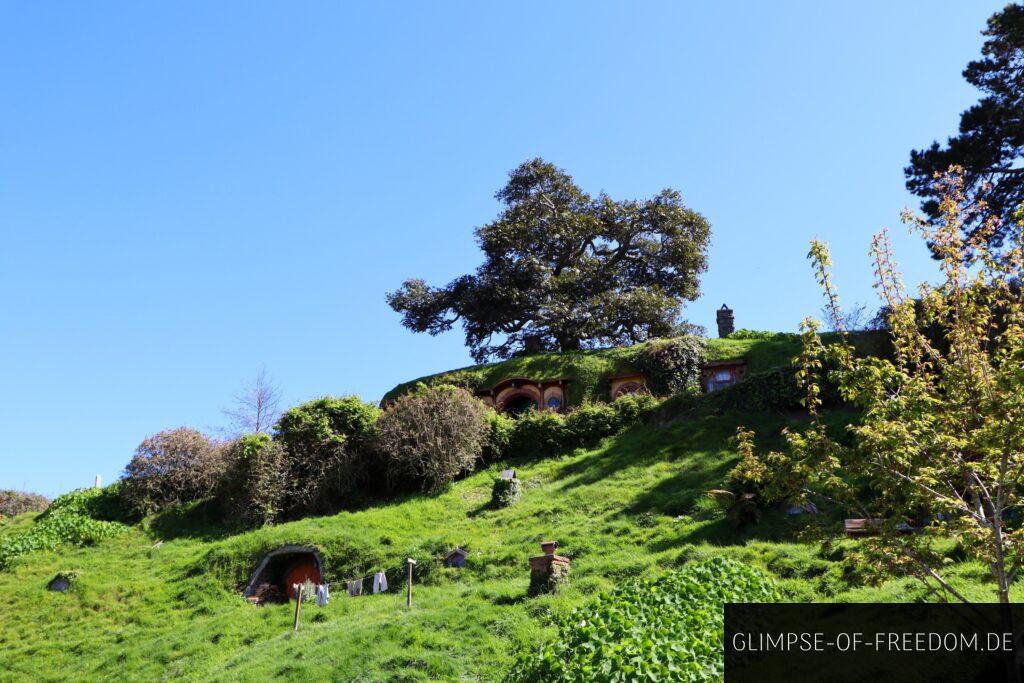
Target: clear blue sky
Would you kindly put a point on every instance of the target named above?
(189, 191)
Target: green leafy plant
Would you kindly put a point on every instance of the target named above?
(634, 408)
(545, 433)
(666, 629)
(538, 435)
(499, 433)
(68, 520)
(764, 335)
(588, 424)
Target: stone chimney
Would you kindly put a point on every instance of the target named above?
(725, 321)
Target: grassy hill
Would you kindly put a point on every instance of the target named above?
(589, 370)
(161, 600)
(633, 506)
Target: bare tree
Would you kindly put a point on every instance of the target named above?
(256, 406)
(854, 319)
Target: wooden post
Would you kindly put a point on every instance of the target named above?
(299, 588)
(409, 562)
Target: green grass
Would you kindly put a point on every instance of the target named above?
(633, 506)
(590, 370)
(13, 525)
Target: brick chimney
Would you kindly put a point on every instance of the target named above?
(548, 572)
(725, 321)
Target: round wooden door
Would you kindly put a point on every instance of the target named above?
(298, 571)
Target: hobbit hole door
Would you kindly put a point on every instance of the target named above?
(520, 405)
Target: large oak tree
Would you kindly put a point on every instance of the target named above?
(989, 147)
(563, 270)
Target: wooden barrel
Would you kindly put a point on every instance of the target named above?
(298, 571)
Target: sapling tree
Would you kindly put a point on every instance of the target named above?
(257, 406)
(938, 450)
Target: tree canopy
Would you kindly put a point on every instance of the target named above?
(563, 270)
(990, 144)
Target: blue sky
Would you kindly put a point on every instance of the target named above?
(190, 191)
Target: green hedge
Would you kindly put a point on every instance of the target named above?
(773, 390)
(667, 629)
(543, 434)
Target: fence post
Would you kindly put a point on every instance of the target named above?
(299, 588)
(409, 562)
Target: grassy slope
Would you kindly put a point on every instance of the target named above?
(589, 370)
(632, 506)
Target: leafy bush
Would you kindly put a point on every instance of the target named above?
(773, 390)
(326, 420)
(499, 433)
(762, 335)
(673, 366)
(254, 488)
(538, 435)
(587, 425)
(506, 492)
(748, 487)
(172, 467)
(634, 408)
(432, 436)
(68, 520)
(328, 445)
(14, 503)
(667, 629)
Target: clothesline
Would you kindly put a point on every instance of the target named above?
(380, 584)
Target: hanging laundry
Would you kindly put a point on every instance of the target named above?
(355, 587)
(380, 582)
(322, 595)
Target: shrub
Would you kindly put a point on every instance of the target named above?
(673, 366)
(772, 390)
(432, 436)
(634, 408)
(585, 426)
(14, 503)
(670, 628)
(68, 520)
(588, 424)
(325, 420)
(254, 488)
(763, 335)
(506, 492)
(538, 435)
(328, 447)
(172, 467)
(499, 433)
